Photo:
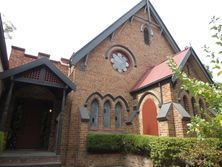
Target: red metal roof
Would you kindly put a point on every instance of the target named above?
(159, 71)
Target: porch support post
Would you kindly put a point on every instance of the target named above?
(6, 107)
(60, 124)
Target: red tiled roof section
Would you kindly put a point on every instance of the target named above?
(159, 72)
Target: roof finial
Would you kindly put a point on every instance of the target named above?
(148, 10)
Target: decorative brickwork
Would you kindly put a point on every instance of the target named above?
(19, 57)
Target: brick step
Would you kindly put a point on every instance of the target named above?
(46, 164)
(28, 159)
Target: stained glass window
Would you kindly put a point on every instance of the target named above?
(106, 115)
(118, 109)
(94, 114)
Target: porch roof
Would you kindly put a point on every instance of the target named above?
(47, 74)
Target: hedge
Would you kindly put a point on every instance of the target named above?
(164, 151)
(1, 141)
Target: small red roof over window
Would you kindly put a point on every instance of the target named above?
(159, 72)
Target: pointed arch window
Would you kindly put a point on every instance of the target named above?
(186, 104)
(94, 114)
(118, 109)
(106, 115)
(201, 104)
(146, 34)
(194, 107)
(202, 107)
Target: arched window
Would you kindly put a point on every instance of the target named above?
(186, 104)
(118, 109)
(146, 34)
(201, 107)
(94, 114)
(194, 107)
(106, 115)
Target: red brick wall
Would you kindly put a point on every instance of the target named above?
(99, 76)
(19, 57)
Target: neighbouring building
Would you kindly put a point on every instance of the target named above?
(117, 83)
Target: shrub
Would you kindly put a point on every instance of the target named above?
(206, 153)
(163, 151)
(1, 141)
(136, 144)
(104, 143)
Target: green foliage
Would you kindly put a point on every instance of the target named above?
(215, 56)
(104, 143)
(206, 128)
(212, 93)
(204, 153)
(1, 141)
(164, 151)
(135, 144)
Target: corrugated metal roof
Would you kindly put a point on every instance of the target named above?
(159, 72)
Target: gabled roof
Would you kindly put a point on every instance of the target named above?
(159, 72)
(162, 71)
(37, 63)
(162, 114)
(3, 50)
(76, 57)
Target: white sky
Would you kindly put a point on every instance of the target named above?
(61, 27)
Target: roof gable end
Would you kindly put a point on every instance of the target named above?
(196, 58)
(76, 57)
(162, 71)
(34, 64)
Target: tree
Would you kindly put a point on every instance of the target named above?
(8, 27)
(212, 93)
(216, 61)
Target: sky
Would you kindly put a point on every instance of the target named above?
(61, 27)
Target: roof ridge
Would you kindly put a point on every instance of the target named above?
(172, 56)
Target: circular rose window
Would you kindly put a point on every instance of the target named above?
(119, 61)
(121, 58)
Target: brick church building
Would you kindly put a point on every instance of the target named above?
(119, 82)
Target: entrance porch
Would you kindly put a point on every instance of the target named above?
(32, 109)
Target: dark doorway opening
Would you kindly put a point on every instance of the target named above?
(30, 125)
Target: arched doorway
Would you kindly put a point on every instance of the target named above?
(149, 116)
